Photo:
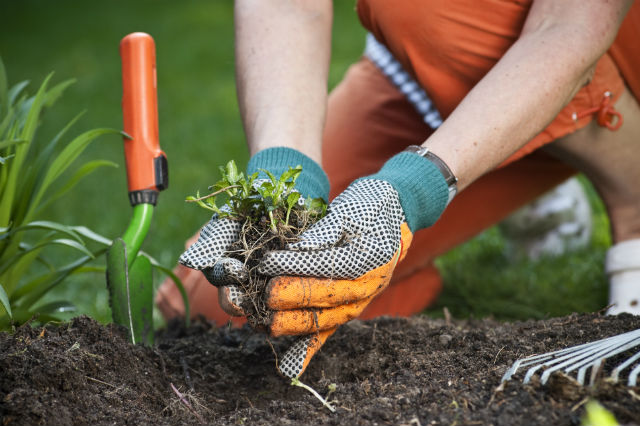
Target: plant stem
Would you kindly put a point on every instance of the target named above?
(213, 194)
(296, 382)
(273, 222)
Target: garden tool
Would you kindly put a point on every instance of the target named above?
(581, 358)
(129, 276)
(623, 268)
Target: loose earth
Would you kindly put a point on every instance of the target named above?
(389, 371)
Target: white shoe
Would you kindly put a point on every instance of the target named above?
(623, 268)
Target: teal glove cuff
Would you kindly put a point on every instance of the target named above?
(422, 189)
(312, 182)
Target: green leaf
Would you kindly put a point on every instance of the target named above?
(292, 173)
(55, 307)
(8, 198)
(4, 159)
(4, 299)
(64, 160)
(61, 241)
(597, 415)
(274, 181)
(232, 174)
(43, 224)
(82, 172)
(292, 199)
(72, 244)
(7, 143)
(33, 290)
(31, 122)
(56, 91)
(4, 89)
(37, 169)
(15, 91)
(21, 316)
(94, 236)
(6, 121)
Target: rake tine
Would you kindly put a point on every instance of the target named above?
(633, 376)
(581, 358)
(596, 368)
(578, 353)
(606, 349)
(561, 363)
(616, 371)
(533, 359)
(600, 356)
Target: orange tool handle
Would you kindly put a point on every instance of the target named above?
(147, 171)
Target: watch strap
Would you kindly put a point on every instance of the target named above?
(449, 177)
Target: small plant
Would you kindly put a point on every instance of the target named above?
(332, 388)
(253, 199)
(32, 176)
(272, 213)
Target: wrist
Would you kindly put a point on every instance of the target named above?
(421, 187)
(312, 182)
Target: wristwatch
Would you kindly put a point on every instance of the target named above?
(449, 177)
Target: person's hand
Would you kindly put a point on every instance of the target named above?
(209, 255)
(346, 259)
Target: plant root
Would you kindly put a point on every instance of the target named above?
(186, 399)
(257, 238)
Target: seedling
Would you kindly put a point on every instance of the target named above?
(272, 214)
(251, 199)
(296, 382)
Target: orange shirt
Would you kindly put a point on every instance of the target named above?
(448, 46)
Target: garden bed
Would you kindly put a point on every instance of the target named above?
(415, 371)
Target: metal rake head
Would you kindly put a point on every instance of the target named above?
(582, 358)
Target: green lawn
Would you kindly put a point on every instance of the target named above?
(200, 129)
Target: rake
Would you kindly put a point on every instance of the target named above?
(583, 357)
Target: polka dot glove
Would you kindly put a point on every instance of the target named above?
(341, 263)
(208, 255)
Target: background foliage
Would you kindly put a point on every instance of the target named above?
(200, 130)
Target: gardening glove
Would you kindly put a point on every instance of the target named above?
(209, 253)
(346, 259)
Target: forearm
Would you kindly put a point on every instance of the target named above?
(523, 92)
(282, 62)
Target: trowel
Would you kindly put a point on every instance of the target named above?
(129, 274)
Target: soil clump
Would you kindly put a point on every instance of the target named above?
(256, 239)
(388, 371)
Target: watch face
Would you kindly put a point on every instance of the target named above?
(417, 149)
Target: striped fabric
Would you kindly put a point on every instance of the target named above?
(384, 60)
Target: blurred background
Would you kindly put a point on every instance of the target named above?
(200, 129)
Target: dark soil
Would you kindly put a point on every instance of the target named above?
(415, 371)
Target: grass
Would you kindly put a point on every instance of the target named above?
(200, 128)
(480, 279)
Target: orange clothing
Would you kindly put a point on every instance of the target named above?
(369, 120)
(449, 46)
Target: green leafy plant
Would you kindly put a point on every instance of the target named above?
(32, 176)
(250, 198)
